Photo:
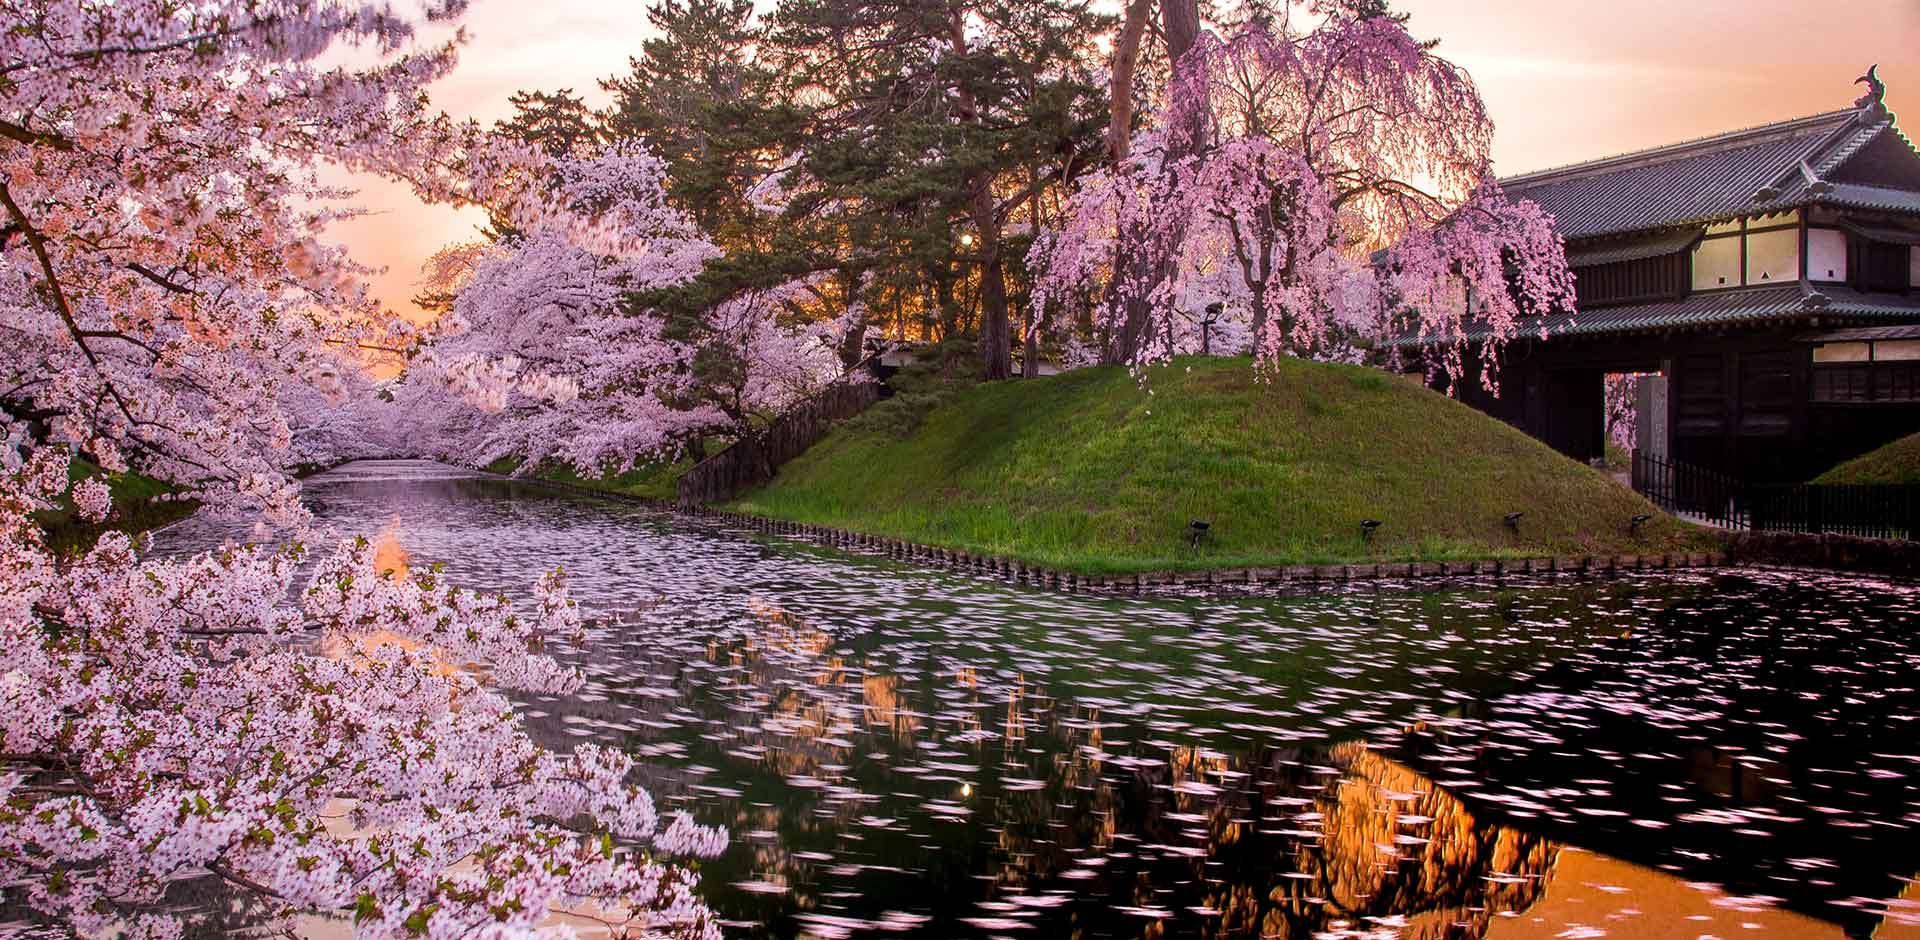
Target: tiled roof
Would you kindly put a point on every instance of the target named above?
(1608, 252)
(1868, 334)
(1656, 202)
(1847, 302)
(1715, 177)
(1861, 196)
(1716, 308)
(1885, 234)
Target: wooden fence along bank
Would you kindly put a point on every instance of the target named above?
(751, 461)
(1294, 575)
(1896, 558)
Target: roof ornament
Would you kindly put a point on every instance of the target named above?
(1815, 185)
(1875, 100)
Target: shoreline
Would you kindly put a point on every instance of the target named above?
(937, 558)
(1763, 550)
(1214, 579)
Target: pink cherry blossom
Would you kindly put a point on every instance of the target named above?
(164, 279)
(168, 303)
(93, 499)
(167, 718)
(555, 360)
(1325, 187)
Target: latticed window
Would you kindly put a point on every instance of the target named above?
(1866, 382)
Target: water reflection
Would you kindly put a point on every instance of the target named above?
(907, 752)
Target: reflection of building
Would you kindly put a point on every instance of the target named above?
(1627, 900)
(956, 793)
(1393, 845)
(1766, 275)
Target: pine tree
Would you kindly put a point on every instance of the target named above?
(936, 126)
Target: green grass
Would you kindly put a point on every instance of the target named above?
(137, 507)
(1085, 471)
(1898, 462)
(648, 481)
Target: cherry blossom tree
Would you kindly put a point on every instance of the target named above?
(162, 272)
(550, 332)
(1622, 409)
(165, 719)
(769, 347)
(341, 413)
(541, 333)
(167, 302)
(1319, 185)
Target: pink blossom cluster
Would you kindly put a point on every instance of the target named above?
(1621, 401)
(548, 344)
(1320, 188)
(345, 751)
(166, 292)
(93, 499)
(168, 303)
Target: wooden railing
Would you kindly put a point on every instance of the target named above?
(1868, 511)
(751, 461)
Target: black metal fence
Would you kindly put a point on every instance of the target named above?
(1685, 489)
(1871, 511)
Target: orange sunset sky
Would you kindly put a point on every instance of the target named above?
(1565, 82)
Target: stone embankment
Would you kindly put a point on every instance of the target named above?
(1896, 557)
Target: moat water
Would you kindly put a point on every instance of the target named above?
(901, 752)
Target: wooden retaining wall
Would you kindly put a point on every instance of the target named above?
(1769, 550)
(751, 461)
(1291, 575)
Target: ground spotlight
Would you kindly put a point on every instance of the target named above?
(1197, 531)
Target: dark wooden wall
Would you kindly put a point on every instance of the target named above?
(1739, 401)
(1838, 433)
(1739, 404)
(1638, 281)
(1563, 406)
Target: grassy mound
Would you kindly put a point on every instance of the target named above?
(1898, 462)
(1086, 471)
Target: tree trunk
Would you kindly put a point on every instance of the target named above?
(949, 307)
(1143, 263)
(996, 352)
(853, 344)
(1259, 315)
(996, 348)
(1029, 338)
(1126, 56)
(1030, 350)
(1180, 20)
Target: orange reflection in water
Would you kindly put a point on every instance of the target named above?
(1903, 915)
(391, 559)
(1590, 892)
